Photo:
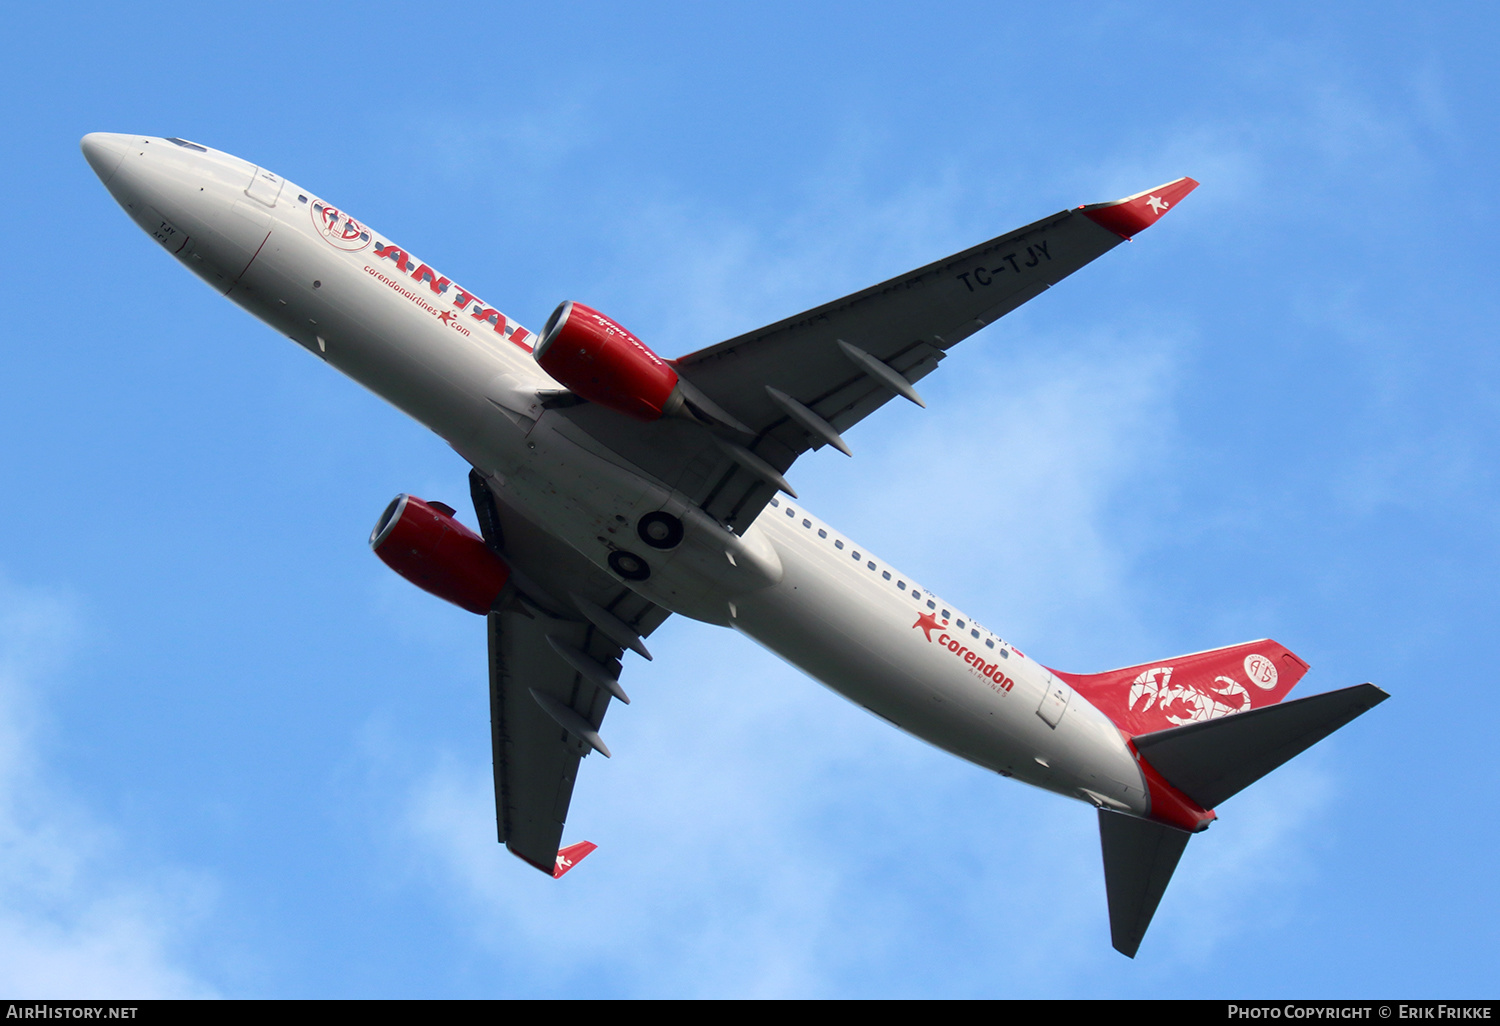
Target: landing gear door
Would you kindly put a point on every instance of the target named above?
(1054, 702)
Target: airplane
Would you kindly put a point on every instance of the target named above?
(614, 488)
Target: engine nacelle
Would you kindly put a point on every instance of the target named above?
(423, 543)
(605, 364)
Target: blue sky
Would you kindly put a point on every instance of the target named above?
(239, 757)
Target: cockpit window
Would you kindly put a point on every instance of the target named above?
(189, 145)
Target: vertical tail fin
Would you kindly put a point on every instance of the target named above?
(1139, 858)
(1192, 688)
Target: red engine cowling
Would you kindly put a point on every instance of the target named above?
(605, 364)
(423, 543)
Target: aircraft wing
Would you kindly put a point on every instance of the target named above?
(799, 383)
(548, 662)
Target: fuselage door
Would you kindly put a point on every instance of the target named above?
(1054, 702)
(264, 187)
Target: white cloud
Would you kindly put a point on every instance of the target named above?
(715, 275)
(1239, 883)
(72, 924)
(709, 880)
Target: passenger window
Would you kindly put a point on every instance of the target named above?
(870, 565)
(901, 585)
(790, 512)
(973, 634)
(931, 604)
(822, 533)
(989, 643)
(807, 523)
(856, 555)
(776, 502)
(838, 544)
(961, 625)
(946, 614)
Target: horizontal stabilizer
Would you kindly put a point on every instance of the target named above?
(1215, 759)
(1139, 858)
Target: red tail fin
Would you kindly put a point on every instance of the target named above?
(1202, 686)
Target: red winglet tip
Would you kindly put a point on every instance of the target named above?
(571, 856)
(1134, 214)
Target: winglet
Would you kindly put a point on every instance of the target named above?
(1134, 214)
(571, 856)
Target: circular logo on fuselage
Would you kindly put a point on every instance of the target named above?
(341, 230)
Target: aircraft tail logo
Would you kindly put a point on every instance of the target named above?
(1191, 688)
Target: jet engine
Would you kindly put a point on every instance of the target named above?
(423, 543)
(602, 362)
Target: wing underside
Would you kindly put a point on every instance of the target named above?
(535, 756)
(549, 667)
(799, 383)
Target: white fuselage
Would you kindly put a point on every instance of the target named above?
(443, 355)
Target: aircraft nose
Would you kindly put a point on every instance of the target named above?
(104, 151)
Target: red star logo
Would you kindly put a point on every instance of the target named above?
(446, 316)
(929, 623)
